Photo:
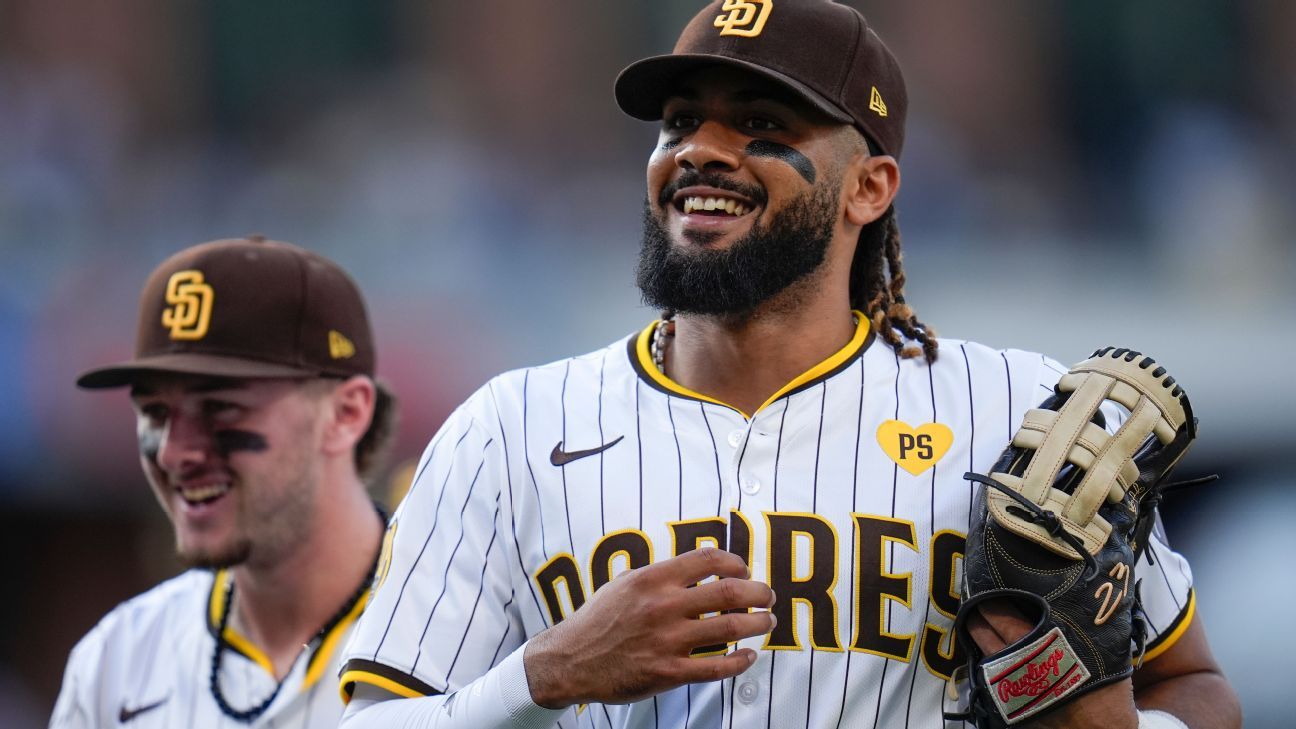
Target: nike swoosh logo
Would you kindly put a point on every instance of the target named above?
(560, 457)
(126, 714)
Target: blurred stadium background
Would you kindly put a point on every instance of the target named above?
(1077, 174)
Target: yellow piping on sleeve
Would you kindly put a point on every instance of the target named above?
(349, 678)
(1179, 630)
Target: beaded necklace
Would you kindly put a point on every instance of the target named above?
(661, 335)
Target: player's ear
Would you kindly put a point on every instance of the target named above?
(870, 186)
(350, 409)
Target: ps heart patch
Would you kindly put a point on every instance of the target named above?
(914, 449)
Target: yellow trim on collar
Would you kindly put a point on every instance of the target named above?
(646, 363)
(319, 660)
(1178, 632)
(214, 608)
(644, 353)
(350, 678)
(330, 643)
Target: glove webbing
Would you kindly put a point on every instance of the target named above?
(1047, 519)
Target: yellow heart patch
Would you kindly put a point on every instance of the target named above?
(914, 449)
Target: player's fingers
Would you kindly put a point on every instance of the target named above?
(727, 594)
(728, 628)
(715, 668)
(1003, 617)
(692, 567)
(983, 634)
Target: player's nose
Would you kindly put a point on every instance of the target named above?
(712, 145)
(185, 442)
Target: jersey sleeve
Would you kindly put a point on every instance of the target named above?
(76, 706)
(499, 699)
(1166, 588)
(441, 615)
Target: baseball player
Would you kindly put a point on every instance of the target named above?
(258, 414)
(751, 513)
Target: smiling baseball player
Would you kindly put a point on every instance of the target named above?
(257, 413)
(789, 427)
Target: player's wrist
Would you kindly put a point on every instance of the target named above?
(1108, 707)
(546, 679)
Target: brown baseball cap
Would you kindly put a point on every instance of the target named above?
(247, 307)
(823, 51)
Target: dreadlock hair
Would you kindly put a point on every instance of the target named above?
(877, 282)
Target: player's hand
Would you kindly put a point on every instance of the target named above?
(633, 637)
(997, 624)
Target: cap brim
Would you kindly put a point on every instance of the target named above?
(643, 86)
(125, 373)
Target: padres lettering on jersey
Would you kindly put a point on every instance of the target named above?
(844, 491)
(148, 662)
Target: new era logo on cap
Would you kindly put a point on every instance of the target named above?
(876, 103)
(339, 346)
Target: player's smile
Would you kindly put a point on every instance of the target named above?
(711, 209)
(200, 493)
(199, 500)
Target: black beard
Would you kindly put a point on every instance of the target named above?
(736, 280)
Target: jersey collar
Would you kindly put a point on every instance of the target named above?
(641, 359)
(318, 661)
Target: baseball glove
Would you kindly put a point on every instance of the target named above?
(1056, 529)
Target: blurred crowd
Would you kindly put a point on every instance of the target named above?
(1075, 172)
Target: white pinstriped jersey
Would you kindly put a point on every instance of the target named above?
(845, 492)
(148, 664)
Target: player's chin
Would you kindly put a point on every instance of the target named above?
(211, 551)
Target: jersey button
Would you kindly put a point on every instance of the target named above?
(748, 691)
(735, 438)
(750, 485)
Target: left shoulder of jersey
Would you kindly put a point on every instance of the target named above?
(963, 353)
(165, 615)
(606, 362)
(170, 605)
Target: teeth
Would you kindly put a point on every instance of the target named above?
(726, 205)
(198, 494)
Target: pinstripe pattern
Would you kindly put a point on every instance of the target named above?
(432, 532)
(813, 455)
